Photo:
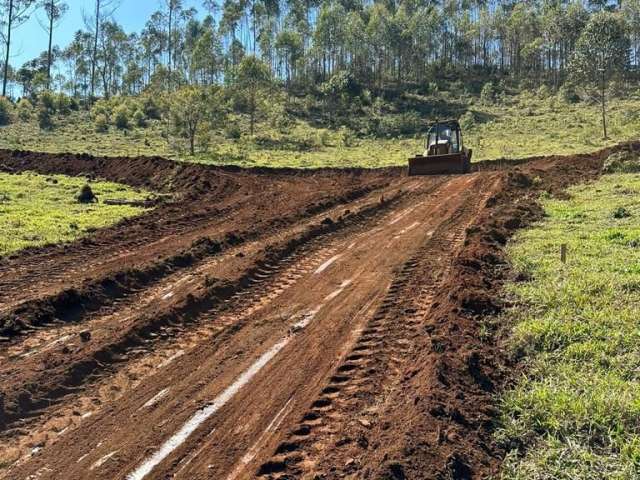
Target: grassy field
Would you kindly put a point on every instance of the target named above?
(520, 126)
(37, 210)
(575, 413)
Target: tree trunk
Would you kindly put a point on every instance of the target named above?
(604, 107)
(252, 108)
(51, 7)
(170, 46)
(94, 58)
(8, 46)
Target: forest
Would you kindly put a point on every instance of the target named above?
(304, 44)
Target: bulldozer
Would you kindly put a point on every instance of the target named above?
(444, 152)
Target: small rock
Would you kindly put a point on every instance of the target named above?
(85, 335)
(364, 422)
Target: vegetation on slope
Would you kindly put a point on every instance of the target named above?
(36, 209)
(575, 412)
(381, 134)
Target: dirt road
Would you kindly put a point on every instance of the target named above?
(263, 324)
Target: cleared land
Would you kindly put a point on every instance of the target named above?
(267, 323)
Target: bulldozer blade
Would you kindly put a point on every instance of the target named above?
(440, 164)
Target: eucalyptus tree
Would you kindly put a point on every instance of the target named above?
(54, 10)
(602, 53)
(16, 12)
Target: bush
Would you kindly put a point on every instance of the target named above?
(63, 104)
(121, 117)
(567, 93)
(347, 138)
(150, 108)
(488, 93)
(139, 119)
(232, 131)
(101, 123)
(468, 120)
(86, 195)
(48, 101)
(44, 118)
(323, 137)
(617, 88)
(544, 92)
(396, 125)
(25, 110)
(101, 107)
(5, 109)
(280, 119)
(622, 162)
(621, 212)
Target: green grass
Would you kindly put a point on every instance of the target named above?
(575, 412)
(520, 126)
(37, 209)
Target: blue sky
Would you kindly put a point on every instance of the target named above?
(31, 39)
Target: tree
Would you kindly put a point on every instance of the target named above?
(18, 12)
(55, 10)
(196, 109)
(252, 80)
(602, 53)
(103, 10)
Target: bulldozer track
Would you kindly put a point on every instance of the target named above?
(357, 387)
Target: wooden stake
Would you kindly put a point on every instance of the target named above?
(563, 253)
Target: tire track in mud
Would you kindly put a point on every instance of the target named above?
(333, 432)
(73, 304)
(254, 289)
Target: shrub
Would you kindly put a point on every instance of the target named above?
(101, 107)
(622, 162)
(544, 92)
(617, 88)
(25, 109)
(48, 101)
(468, 120)
(121, 117)
(621, 212)
(86, 195)
(63, 104)
(567, 93)
(101, 123)
(139, 119)
(5, 108)
(396, 125)
(323, 137)
(44, 118)
(488, 93)
(347, 138)
(150, 108)
(232, 131)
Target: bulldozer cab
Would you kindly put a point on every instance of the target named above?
(442, 139)
(444, 152)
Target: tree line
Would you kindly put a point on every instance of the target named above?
(382, 44)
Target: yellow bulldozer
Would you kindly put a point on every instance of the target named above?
(444, 152)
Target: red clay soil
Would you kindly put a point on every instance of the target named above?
(272, 324)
